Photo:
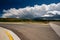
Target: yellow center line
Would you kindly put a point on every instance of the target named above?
(9, 35)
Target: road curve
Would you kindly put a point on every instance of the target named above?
(32, 31)
(56, 27)
(6, 34)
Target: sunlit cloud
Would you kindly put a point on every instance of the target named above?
(32, 12)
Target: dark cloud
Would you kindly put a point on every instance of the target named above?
(7, 4)
(32, 12)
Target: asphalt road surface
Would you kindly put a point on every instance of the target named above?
(32, 31)
(56, 27)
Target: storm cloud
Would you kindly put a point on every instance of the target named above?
(32, 12)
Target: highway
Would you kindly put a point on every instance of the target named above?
(6, 34)
(32, 31)
(56, 27)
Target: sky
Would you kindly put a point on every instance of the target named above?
(28, 8)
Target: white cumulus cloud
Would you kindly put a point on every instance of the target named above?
(32, 12)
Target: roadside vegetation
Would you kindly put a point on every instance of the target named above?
(24, 20)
